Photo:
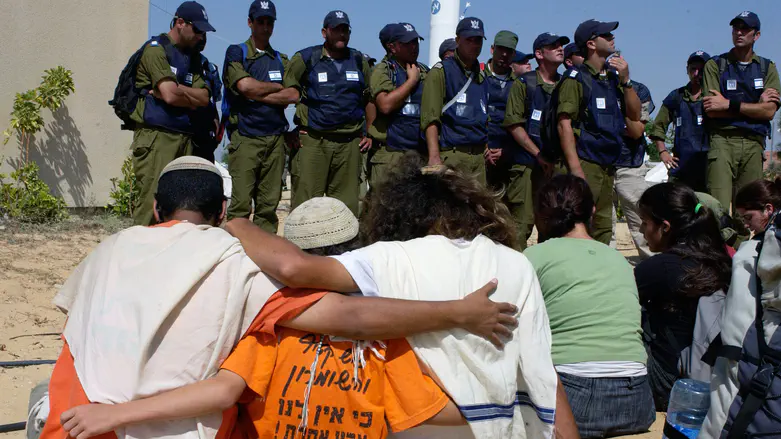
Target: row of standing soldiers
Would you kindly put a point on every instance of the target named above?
(508, 125)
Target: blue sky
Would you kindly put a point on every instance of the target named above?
(655, 36)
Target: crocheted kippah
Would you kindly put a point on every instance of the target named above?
(320, 222)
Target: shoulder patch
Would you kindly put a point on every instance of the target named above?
(437, 65)
(573, 73)
(154, 43)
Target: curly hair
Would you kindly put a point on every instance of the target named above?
(694, 234)
(413, 203)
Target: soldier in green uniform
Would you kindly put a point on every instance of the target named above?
(397, 90)
(454, 106)
(597, 105)
(172, 87)
(528, 97)
(741, 96)
(253, 73)
(332, 83)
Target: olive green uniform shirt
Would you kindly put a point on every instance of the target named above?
(382, 82)
(516, 103)
(153, 68)
(711, 80)
(295, 76)
(434, 91)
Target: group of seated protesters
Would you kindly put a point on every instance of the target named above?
(421, 320)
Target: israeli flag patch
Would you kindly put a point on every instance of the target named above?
(352, 76)
(275, 75)
(759, 84)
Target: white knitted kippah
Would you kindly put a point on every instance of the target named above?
(320, 222)
(190, 162)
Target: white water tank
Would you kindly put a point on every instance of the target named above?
(444, 19)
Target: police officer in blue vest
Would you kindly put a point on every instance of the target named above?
(172, 85)
(499, 78)
(683, 108)
(332, 82)
(454, 113)
(257, 125)
(397, 91)
(598, 102)
(522, 63)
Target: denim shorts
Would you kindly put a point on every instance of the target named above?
(607, 407)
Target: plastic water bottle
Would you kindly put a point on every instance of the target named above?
(689, 403)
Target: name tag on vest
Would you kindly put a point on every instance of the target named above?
(352, 76)
(322, 77)
(411, 110)
(601, 105)
(537, 115)
(699, 120)
(678, 121)
(188, 79)
(461, 99)
(759, 83)
(275, 75)
(732, 84)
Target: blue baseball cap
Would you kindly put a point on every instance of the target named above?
(570, 49)
(547, 39)
(194, 13)
(470, 27)
(386, 32)
(335, 18)
(403, 33)
(698, 55)
(262, 8)
(592, 28)
(749, 18)
(447, 45)
(522, 58)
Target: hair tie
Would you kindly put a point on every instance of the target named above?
(697, 208)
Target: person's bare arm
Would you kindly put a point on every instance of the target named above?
(522, 138)
(633, 105)
(717, 106)
(199, 97)
(256, 90)
(448, 416)
(374, 318)
(389, 102)
(213, 395)
(172, 94)
(564, 424)
(432, 144)
(568, 145)
(285, 262)
(634, 129)
(284, 97)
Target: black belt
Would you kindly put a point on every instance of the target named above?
(469, 149)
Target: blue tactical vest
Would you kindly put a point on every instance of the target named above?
(601, 122)
(536, 102)
(333, 96)
(691, 138)
(157, 113)
(256, 119)
(404, 126)
(464, 123)
(745, 84)
(498, 92)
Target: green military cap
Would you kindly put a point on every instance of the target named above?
(505, 38)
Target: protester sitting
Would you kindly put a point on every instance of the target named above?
(591, 299)
(154, 309)
(757, 202)
(692, 262)
(434, 233)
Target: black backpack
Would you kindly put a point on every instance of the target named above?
(126, 94)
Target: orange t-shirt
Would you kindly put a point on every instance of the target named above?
(277, 368)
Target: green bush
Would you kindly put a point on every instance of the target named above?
(124, 193)
(26, 197)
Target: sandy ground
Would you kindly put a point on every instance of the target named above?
(34, 262)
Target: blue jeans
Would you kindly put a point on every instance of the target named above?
(607, 407)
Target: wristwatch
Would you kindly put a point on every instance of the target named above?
(628, 84)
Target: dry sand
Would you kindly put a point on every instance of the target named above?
(33, 264)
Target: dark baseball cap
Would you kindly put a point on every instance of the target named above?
(386, 32)
(448, 44)
(193, 12)
(751, 19)
(570, 49)
(505, 38)
(470, 27)
(403, 33)
(698, 55)
(522, 58)
(262, 8)
(547, 39)
(335, 18)
(592, 28)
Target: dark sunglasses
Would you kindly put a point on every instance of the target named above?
(195, 29)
